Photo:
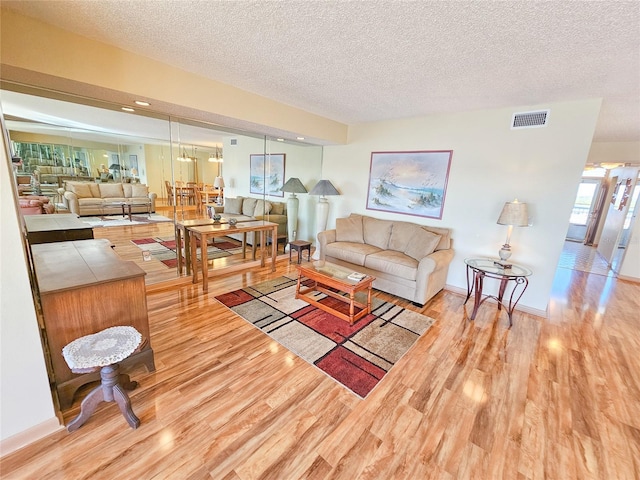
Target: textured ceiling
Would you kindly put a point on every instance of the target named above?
(366, 61)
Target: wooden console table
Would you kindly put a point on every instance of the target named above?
(85, 287)
(203, 233)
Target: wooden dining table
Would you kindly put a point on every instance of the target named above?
(206, 196)
(205, 232)
(182, 192)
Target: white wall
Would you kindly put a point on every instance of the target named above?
(26, 404)
(491, 165)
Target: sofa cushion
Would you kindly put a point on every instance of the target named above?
(233, 205)
(109, 190)
(81, 189)
(377, 232)
(350, 252)
(277, 208)
(138, 190)
(262, 208)
(401, 235)
(445, 237)
(423, 243)
(249, 206)
(96, 202)
(349, 229)
(394, 263)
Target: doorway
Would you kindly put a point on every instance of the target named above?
(586, 212)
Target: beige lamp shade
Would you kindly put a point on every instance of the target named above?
(218, 182)
(514, 213)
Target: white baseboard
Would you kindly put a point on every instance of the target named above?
(522, 308)
(30, 435)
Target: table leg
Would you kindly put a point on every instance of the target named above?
(469, 284)
(178, 234)
(274, 251)
(187, 248)
(352, 312)
(194, 259)
(263, 241)
(204, 258)
(244, 245)
(503, 286)
(512, 305)
(478, 279)
(369, 299)
(128, 210)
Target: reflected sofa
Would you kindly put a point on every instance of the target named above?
(87, 198)
(246, 208)
(407, 259)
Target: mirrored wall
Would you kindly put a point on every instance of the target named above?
(60, 141)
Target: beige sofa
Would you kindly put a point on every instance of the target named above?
(87, 198)
(246, 208)
(407, 259)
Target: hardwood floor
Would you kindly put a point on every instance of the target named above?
(555, 398)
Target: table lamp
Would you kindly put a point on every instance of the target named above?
(322, 188)
(218, 183)
(514, 214)
(293, 186)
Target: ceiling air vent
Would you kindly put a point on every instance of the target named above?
(530, 119)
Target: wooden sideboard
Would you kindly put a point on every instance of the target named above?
(59, 227)
(85, 287)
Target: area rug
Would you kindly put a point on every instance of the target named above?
(164, 248)
(357, 356)
(120, 221)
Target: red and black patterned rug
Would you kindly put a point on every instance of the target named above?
(356, 356)
(164, 248)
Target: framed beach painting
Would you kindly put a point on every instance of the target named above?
(410, 183)
(267, 174)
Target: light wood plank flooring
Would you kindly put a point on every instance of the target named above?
(555, 398)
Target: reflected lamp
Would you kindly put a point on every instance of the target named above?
(293, 186)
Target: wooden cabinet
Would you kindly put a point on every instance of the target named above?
(85, 287)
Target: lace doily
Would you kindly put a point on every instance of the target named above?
(107, 347)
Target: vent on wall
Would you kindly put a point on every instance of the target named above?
(530, 119)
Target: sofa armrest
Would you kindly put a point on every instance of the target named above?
(152, 197)
(432, 274)
(324, 239)
(71, 202)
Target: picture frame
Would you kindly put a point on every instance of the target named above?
(410, 182)
(266, 174)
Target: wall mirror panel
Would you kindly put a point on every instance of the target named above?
(61, 141)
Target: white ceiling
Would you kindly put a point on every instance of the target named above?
(366, 61)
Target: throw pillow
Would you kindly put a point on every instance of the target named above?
(445, 237)
(249, 206)
(349, 230)
(263, 207)
(139, 190)
(277, 208)
(233, 205)
(81, 189)
(111, 190)
(422, 244)
(377, 232)
(401, 235)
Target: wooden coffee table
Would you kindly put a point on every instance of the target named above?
(326, 276)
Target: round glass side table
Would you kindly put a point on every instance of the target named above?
(480, 268)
